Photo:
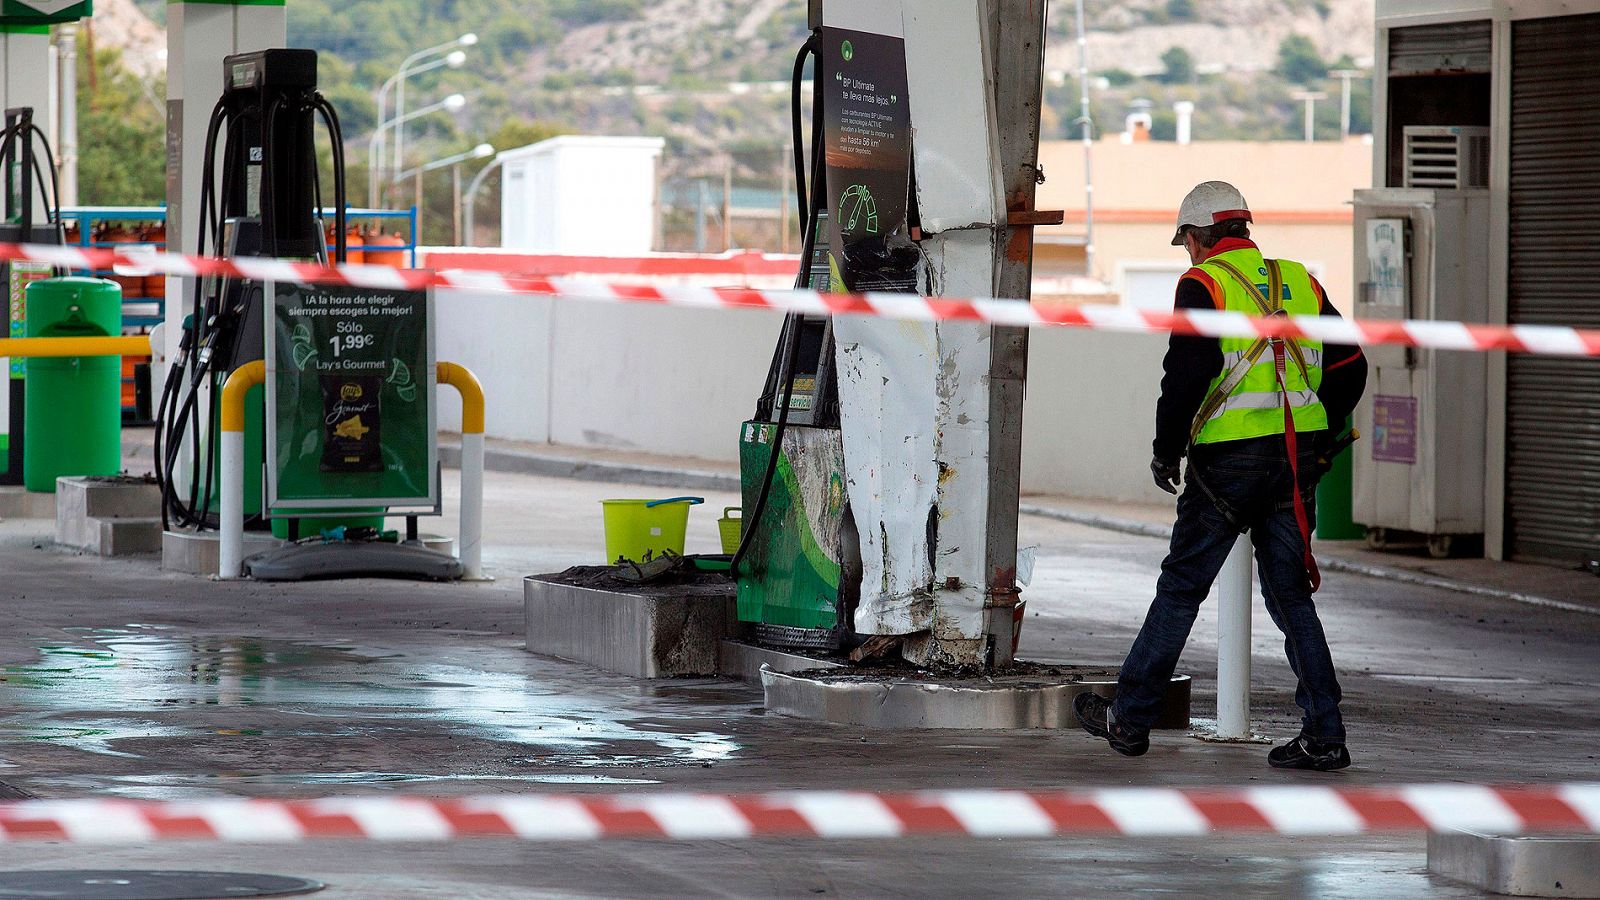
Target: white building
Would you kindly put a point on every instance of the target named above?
(581, 194)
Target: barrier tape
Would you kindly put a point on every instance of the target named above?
(1143, 812)
(1547, 340)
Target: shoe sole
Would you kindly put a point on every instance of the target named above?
(1332, 765)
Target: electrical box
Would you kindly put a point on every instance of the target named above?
(1419, 468)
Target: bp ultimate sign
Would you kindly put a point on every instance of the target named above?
(44, 12)
(350, 399)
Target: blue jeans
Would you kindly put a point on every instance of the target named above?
(1252, 480)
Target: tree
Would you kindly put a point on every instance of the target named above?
(1180, 10)
(1178, 66)
(122, 130)
(1299, 61)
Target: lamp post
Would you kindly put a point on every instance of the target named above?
(466, 40)
(469, 202)
(1345, 75)
(478, 152)
(1310, 98)
(377, 145)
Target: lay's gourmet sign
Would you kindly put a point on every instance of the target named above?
(350, 399)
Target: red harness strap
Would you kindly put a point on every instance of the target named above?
(1301, 518)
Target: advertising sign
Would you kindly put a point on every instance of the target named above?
(1394, 429)
(350, 398)
(867, 140)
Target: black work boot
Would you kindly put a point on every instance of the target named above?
(1304, 753)
(1094, 714)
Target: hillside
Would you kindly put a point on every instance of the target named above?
(699, 72)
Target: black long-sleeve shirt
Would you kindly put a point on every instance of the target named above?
(1192, 362)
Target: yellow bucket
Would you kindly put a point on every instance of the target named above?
(637, 527)
(731, 528)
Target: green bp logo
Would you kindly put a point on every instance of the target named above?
(847, 50)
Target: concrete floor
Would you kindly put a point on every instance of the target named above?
(126, 681)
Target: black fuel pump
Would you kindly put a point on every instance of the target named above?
(24, 173)
(266, 202)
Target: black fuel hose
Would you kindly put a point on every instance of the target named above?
(808, 247)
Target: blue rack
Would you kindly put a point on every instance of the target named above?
(143, 312)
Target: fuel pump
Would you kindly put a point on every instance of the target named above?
(261, 198)
(24, 173)
(792, 565)
(799, 566)
(880, 470)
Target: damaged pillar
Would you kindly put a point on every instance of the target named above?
(932, 412)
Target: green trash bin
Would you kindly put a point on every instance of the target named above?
(1334, 505)
(72, 417)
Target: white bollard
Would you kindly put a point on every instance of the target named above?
(1235, 590)
(230, 552)
(471, 538)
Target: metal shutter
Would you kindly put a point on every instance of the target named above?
(1553, 404)
(1430, 49)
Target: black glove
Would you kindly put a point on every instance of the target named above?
(1167, 473)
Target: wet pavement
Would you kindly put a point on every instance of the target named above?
(121, 680)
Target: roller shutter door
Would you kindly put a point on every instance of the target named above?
(1450, 47)
(1553, 404)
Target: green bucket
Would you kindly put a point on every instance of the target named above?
(731, 528)
(635, 528)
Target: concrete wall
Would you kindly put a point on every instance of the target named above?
(679, 381)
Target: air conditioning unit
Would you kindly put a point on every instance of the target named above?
(1446, 157)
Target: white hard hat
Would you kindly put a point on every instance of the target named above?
(1209, 203)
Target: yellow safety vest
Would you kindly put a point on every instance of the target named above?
(1245, 399)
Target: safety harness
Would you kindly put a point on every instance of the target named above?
(1283, 350)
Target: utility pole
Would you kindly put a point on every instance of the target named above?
(1310, 98)
(1344, 75)
(1086, 128)
(783, 207)
(727, 204)
(455, 204)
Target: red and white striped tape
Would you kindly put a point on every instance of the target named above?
(1139, 812)
(1548, 340)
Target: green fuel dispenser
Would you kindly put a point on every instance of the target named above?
(794, 567)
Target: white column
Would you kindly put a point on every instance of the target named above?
(67, 59)
(27, 63)
(1235, 592)
(471, 539)
(230, 555)
(199, 36)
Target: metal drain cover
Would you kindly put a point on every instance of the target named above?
(117, 884)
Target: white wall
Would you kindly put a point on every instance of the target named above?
(679, 381)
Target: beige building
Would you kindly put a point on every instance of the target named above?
(1299, 192)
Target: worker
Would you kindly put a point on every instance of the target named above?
(1256, 419)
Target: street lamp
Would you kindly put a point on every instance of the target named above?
(376, 146)
(1345, 75)
(469, 202)
(1310, 98)
(466, 40)
(478, 152)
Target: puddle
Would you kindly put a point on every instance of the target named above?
(178, 786)
(164, 684)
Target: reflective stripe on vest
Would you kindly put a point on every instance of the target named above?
(1254, 408)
